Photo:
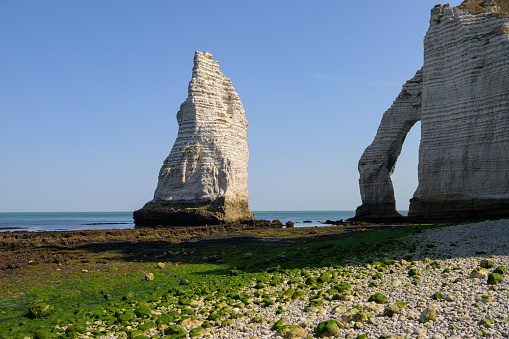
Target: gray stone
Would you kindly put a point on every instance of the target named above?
(428, 314)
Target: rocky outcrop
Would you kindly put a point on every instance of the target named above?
(204, 179)
(379, 160)
(464, 109)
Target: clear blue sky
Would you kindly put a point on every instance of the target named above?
(89, 91)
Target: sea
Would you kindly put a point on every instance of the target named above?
(75, 221)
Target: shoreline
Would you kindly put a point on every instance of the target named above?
(443, 268)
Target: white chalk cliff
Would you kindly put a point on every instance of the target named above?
(461, 97)
(204, 179)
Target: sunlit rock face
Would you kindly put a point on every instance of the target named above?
(379, 160)
(464, 113)
(204, 179)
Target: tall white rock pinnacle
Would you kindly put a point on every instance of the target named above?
(204, 179)
(461, 97)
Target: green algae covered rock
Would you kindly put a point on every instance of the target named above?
(164, 319)
(401, 304)
(500, 270)
(288, 293)
(43, 333)
(438, 296)
(197, 331)
(354, 314)
(389, 262)
(147, 326)
(487, 322)
(40, 311)
(479, 272)
(495, 278)
(343, 287)
(297, 294)
(487, 263)
(278, 324)
(327, 328)
(391, 309)
(413, 272)
(378, 298)
(324, 277)
(143, 312)
(428, 314)
(291, 331)
(175, 332)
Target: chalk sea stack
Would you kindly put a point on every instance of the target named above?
(461, 97)
(204, 179)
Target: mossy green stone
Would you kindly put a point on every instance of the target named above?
(40, 310)
(298, 294)
(291, 331)
(327, 328)
(342, 287)
(43, 334)
(310, 281)
(131, 334)
(438, 296)
(487, 263)
(391, 309)
(143, 312)
(278, 324)
(147, 326)
(268, 302)
(500, 270)
(324, 277)
(413, 272)
(207, 324)
(389, 262)
(401, 304)
(184, 301)
(175, 332)
(164, 319)
(495, 278)
(487, 322)
(185, 282)
(227, 322)
(378, 298)
(362, 336)
(197, 331)
(288, 293)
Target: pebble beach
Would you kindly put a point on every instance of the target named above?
(442, 290)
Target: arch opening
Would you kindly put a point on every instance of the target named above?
(405, 176)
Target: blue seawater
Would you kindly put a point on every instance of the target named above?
(74, 221)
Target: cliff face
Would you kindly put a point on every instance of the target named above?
(464, 150)
(464, 113)
(204, 179)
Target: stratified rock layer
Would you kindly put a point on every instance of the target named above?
(204, 179)
(379, 159)
(464, 113)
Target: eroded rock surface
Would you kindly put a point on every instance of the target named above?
(379, 159)
(204, 179)
(464, 111)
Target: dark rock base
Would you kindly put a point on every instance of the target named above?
(378, 213)
(454, 209)
(156, 213)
